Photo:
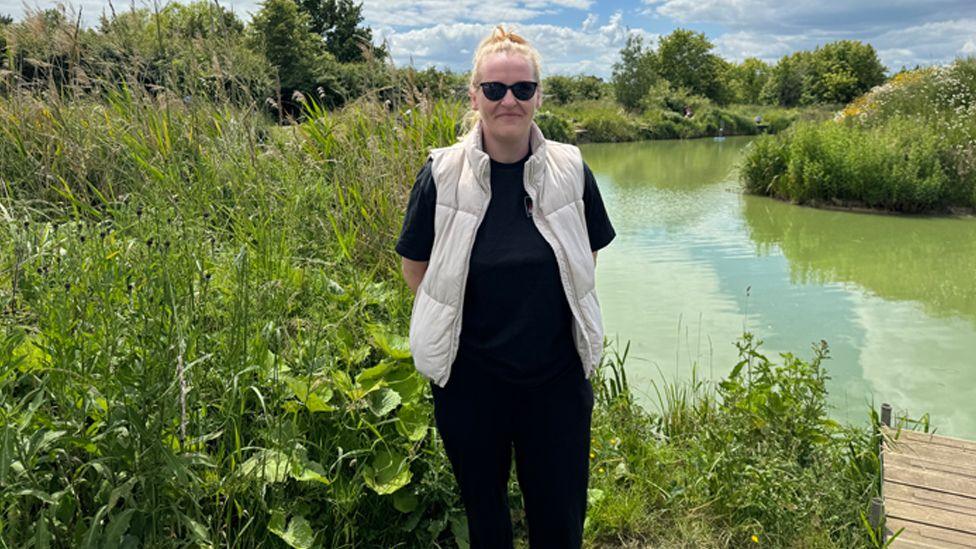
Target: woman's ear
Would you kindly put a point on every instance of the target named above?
(474, 101)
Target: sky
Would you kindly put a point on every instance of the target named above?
(585, 36)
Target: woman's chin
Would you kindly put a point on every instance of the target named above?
(509, 130)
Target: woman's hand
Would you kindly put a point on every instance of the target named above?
(413, 272)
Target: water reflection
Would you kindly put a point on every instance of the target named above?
(894, 296)
(928, 260)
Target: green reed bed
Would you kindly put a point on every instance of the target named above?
(908, 146)
(604, 121)
(202, 344)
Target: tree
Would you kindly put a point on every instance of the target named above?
(5, 19)
(564, 89)
(843, 70)
(635, 73)
(338, 22)
(785, 86)
(280, 31)
(685, 60)
(747, 79)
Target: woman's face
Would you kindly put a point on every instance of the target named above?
(507, 119)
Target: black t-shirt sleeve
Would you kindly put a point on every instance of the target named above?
(417, 235)
(598, 223)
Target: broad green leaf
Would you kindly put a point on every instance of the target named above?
(404, 500)
(394, 346)
(310, 471)
(405, 380)
(314, 396)
(267, 465)
(387, 472)
(200, 534)
(383, 401)
(459, 527)
(371, 376)
(412, 422)
(117, 527)
(299, 533)
(593, 496)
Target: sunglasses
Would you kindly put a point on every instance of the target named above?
(522, 91)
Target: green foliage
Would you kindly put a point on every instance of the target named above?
(685, 60)
(565, 89)
(835, 73)
(196, 50)
(747, 79)
(754, 455)
(905, 146)
(184, 357)
(785, 86)
(555, 127)
(280, 32)
(843, 70)
(634, 73)
(338, 21)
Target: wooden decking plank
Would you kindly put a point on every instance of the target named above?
(931, 438)
(934, 452)
(961, 521)
(963, 469)
(932, 498)
(942, 482)
(923, 533)
(902, 543)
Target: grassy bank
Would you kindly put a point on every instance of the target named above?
(907, 146)
(604, 121)
(201, 343)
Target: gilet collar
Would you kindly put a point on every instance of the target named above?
(480, 163)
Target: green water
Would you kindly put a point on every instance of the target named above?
(696, 261)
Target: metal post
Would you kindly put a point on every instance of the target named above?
(886, 414)
(876, 515)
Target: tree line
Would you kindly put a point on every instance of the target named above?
(683, 67)
(322, 47)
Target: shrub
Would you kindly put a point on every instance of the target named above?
(555, 127)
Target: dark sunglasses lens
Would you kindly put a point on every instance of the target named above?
(524, 90)
(494, 90)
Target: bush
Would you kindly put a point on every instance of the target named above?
(555, 127)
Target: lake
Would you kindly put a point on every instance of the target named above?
(696, 262)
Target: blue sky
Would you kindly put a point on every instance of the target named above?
(584, 36)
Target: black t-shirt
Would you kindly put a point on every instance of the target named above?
(516, 321)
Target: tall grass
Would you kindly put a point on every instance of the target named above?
(198, 328)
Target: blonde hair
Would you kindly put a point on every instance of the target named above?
(499, 41)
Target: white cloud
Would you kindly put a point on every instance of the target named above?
(564, 50)
(923, 44)
(423, 13)
(969, 48)
(590, 22)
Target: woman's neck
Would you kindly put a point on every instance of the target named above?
(506, 152)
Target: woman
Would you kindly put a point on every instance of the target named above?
(499, 244)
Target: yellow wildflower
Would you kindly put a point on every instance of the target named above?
(755, 538)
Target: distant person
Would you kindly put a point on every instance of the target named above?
(688, 113)
(499, 244)
(758, 119)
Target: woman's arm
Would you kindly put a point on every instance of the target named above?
(413, 272)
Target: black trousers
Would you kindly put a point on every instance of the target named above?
(482, 419)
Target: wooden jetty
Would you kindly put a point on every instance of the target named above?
(928, 490)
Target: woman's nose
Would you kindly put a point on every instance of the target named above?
(509, 98)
